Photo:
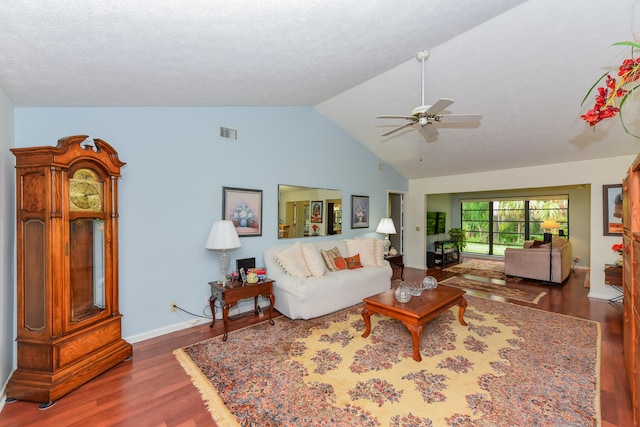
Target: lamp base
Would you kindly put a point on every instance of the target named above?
(386, 244)
(224, 267)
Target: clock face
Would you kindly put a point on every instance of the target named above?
(85, 191)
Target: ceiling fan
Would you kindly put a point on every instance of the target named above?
(425, 117)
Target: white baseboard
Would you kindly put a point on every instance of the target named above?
(242, 307)
(597, 295)
(166, 330)
(3, 392)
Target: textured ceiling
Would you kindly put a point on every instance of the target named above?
(525, 65)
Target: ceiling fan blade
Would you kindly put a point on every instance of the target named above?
(440, 105)
(397, 129)
(396, 117)
(444, 118)
(428, 131)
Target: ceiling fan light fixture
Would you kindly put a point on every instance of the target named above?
(424, 115)
(423, 55)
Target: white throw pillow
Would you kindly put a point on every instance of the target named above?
(378, 250)
(292, 261)
(366, 249)
(314, 260)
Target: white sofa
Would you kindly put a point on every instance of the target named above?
(325, 292)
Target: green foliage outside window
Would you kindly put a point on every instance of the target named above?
(492, 226)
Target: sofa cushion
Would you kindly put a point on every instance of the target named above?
(353, 262)
(330, 256)
(536, 244)
(378, 250)
(292, 261)
(559, 242)
(314, 260)
(341, 263)
(365, 248)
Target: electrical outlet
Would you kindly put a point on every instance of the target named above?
(172, 307)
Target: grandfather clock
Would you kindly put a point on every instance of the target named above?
(69, 326)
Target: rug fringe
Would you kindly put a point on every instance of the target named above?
(216, 407)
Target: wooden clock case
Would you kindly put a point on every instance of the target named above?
(68, 323)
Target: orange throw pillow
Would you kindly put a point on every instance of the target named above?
(353, 262)
(340, 263)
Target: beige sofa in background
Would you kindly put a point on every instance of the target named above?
(533, 262)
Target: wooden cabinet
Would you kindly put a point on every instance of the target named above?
(631, 282)
(68, 323)
(613, 275)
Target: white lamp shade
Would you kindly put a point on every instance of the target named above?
(223, 236)
(385, 226)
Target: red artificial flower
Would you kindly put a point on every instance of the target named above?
(605, 103)
(592, 117)
(605, 99)
(617, 247)
(598, 113)
(630, 70)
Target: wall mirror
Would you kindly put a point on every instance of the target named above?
(308, 211)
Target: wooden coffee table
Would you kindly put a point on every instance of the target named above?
(415, 313)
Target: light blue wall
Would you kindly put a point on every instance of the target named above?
(171, 187)
(7, 232)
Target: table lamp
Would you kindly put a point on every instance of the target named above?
(386, 227)
(223, 236)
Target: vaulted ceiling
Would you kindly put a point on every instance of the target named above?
(524, 65)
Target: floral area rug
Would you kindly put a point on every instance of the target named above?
(488, 289)
(512, 365)
(482, 268)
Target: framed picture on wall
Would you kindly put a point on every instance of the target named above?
(359, 211)
(244, 208)
(316, 211)
(612, 209)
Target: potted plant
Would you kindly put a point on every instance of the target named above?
(459, 236)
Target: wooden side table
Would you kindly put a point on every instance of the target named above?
(613, 277)
(234, 292)
(396, 261)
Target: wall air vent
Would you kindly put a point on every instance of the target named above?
(228, 133)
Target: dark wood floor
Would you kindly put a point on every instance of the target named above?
(152, 389)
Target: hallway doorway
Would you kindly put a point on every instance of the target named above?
(396, 212)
